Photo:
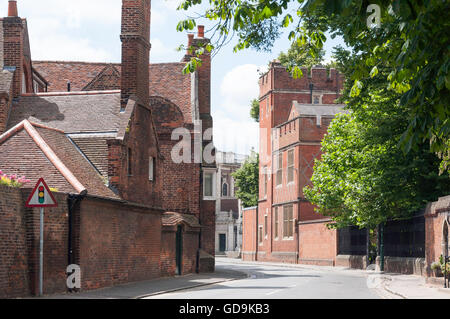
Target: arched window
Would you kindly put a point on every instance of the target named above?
(225, 189)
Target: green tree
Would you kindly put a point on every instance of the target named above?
(363, 178)
(301, 55)
(254, 110)
(413, 39)
(247, 181)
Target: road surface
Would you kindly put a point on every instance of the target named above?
(278, 282)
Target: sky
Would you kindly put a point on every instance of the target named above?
(89, 30)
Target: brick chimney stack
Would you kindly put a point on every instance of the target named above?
(13, 44)
(12, 9)
(135, 37)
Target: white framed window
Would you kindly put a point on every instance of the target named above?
(264, 171)
(260, 235)
(288, 222)
(276, 223)
(266, 218)
(279, 169)
(209, 177)
(290, 169)
(151, 169)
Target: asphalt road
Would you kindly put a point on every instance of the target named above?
(277, 282)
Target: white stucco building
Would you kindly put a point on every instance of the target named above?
(228, 217)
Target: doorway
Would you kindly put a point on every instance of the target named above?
(179, 250)
(222, 242)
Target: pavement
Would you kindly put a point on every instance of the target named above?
(143, 289)
(231, 272)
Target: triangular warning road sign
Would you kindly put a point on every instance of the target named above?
(41, 196)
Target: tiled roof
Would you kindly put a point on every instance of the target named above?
(36, 151)
(58, 74)
(166, 79)
(96, 150)
(174, 219)
(70, 113)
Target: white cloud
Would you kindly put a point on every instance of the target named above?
(236, 136)
(161, 53)
(234, 130)
(64, 48)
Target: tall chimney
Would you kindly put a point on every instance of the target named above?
(12, 9)
(135, 37)
(201, 31)
(13, 42)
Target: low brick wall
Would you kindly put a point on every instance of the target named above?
(403, 265)
(249, 236)
(351, 261)
(318, 244)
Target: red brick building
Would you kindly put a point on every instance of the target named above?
(294, 116)
(102, 132)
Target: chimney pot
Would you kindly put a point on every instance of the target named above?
(190, 40)
(201, 31)
(12, 8)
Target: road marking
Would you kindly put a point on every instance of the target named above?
(274, 292)
(279, 290)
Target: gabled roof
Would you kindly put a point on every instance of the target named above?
(37, 151)
(174, 219)
(108, 78)
(71, 112)
(166, 79)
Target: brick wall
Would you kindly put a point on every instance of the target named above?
(318, 245)
(168, 251)
(14, 272)
(19, 245)
(118, 243)
(249, 237)
(437, 215)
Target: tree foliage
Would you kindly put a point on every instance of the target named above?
(363, 178)
(254, 110)
(303, 55)
(247, 181)
(413, 40)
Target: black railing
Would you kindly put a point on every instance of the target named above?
(352, 241)
(405, 238)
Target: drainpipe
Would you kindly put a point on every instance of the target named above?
(311, 88)
(72, 201)
(257, 234)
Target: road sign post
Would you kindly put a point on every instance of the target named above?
(41, 197)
